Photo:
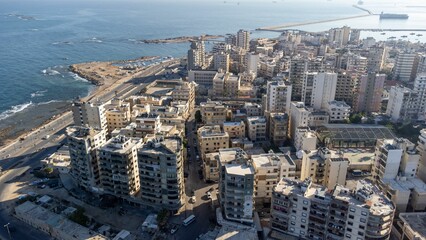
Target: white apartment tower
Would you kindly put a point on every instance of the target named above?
(319, 89)
(243, 39)
(89, 114)
(406, 66)
(278, 96)
(196, 55)
(82, 144)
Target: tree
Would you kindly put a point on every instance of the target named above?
(198, 116)
(162, 218)
(355, 118)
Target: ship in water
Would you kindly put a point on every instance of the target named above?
(393, 16)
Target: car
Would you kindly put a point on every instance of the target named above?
(193, 199)
(42, 186)
(174, 229)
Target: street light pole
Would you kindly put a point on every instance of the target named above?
(8, 231)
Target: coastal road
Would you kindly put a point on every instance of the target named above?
(22, 154)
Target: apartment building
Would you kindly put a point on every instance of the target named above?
(82, 145)
(256, 128)
(213, 161)
(118, 166)
(185, 91)
(369, 93)
(118, 114)
(213, 112)
(202, 77)
(278, 96)
(305, 139)
(318, 89)
(269, 169)
(345, 86)
(338, 111)
(402, 105)
(225, 85)
(161, 173)
(410, 226)
(236, 186)
(325, 167)
(405, 68)
(90, 114)
(305, 210)
(221, 61)
(243, 39)
(235, 129)
(211, 139)
(301, 116)
(196, 55)
(278, 128)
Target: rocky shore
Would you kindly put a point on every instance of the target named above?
(181, 39)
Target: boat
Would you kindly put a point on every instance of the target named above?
(412, 33)
(393, 16)
(419, 35)
(360, 2)
(383, 33)
(391, 37)
(404, 36)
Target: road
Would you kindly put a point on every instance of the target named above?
(202, 208)
(20, 155)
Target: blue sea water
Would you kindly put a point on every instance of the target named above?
(40, 39)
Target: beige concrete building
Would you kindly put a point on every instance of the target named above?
(213, 112)
(221, 61)
(118, 161)
(82, 144)
(325, 167)
(421, 148)
(278, 96)
(226, 85)
(118, 114)
(211, 139)
(235, 129)
(305, 210)
(161, 173)
(256, 128)
(338, 111)
(213, 160)
(185, 91)
(278, 128)
(269, 169)
(301, 116)
(305, 139)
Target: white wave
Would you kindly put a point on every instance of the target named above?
(94, 39)
(34, 29)
(63, 42)
(51, 101)
(38, 93)
(78, 78)
(50, 71)
(14, 109)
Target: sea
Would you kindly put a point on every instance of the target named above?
(40, 39)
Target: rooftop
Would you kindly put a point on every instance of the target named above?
(361, 132)
(239, 169)
(416, 222)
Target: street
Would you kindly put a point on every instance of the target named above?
(202, 208)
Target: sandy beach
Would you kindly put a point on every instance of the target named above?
(104, 75)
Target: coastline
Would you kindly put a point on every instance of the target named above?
(101, 74)
(180, 39)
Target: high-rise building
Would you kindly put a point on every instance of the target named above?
(161, 173)
(369, 93)
(402, 105)
(340, 36)
(118, 166)
(420, 90)
(308, 211)
(305, 139)
(221, 61)
(297, 73)
(89, 114)
(405, 68)
(376, 58)
(301, 116)
(213, 161)
(319, 89)
(82, 144)
(236, 187)
(243, 39)
(278, 128)
(278, 96)
(345, 86)
(196, 55)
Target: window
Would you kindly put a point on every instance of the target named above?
(304, 214)
(364, 213)
(348, 235)
(305, 202)
(351, 216)
(352, 209)
(349, 229)
(361, 233)
(362, 220)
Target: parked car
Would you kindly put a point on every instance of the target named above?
(174, 229)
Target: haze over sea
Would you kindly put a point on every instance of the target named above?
(40, 39)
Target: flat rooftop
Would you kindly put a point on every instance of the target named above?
(416, 222)
(238, 169)
(361, 132)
